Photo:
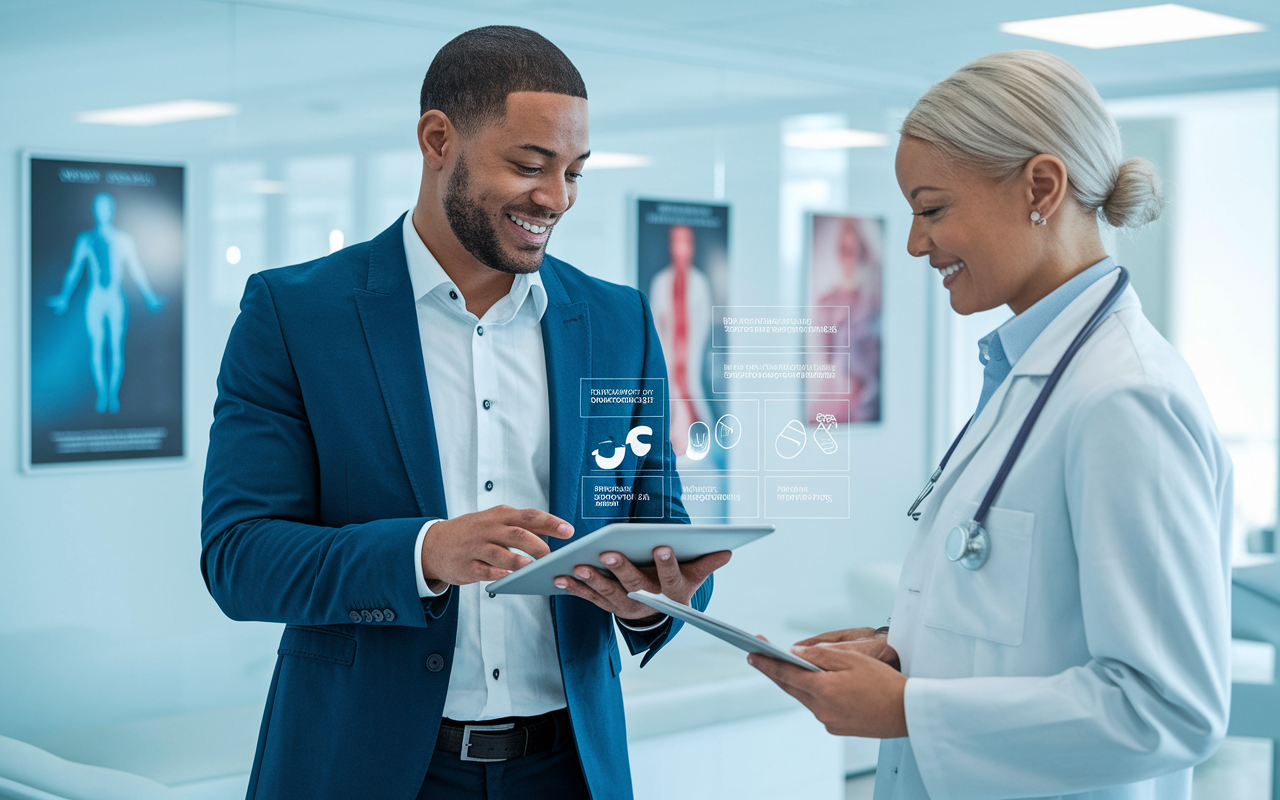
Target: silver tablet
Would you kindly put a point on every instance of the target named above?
(636, 541)
(721, 630)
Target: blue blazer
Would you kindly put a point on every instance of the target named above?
(322, 467)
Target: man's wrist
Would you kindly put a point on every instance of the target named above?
(644, 624)
(427, 586)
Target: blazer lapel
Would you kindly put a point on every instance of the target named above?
(390, 320)
(566, 337)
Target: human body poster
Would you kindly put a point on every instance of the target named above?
(845, 255)
(105, 285)
(683, 267)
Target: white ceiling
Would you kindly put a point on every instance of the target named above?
(307, 70)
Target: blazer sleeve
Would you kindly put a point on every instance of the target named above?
(662, 458)
(1148, 488)
(264, 557)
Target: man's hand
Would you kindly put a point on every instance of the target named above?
(667, 576)
(474, 547)
(867, 641)
(858, 695)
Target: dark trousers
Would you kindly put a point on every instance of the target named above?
(554, 773)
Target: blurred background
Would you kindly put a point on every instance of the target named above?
(113, 655)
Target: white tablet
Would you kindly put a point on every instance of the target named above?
(636, 541)
(721, 630)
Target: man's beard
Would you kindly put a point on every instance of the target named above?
(474, 228)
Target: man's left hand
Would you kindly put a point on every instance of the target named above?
(667, 576)
(857, 696)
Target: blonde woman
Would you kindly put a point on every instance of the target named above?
(1061, 625)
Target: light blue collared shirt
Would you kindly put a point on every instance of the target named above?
(1000, 350)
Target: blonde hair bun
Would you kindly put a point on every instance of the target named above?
(1136, 198)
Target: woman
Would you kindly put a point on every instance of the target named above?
(1088, 655)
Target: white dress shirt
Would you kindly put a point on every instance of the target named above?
(488, 384)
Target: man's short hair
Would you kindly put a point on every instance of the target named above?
(471, 76)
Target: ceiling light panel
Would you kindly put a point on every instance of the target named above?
(607, 160)
(834, 139)
(159, 113)
(1132, 26)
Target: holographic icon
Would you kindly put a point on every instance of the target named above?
(826, 424)
(611, 461)
(641, 449)
(728, 431)
(699, 441)
(617, 452)
(791, 440)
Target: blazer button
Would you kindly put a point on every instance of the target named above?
(367, 616)
(355, 616)
(388, 615)
(377, 615)
(435, 662)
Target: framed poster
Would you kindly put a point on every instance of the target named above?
(845, 267)
(105, 247)
(682, 258)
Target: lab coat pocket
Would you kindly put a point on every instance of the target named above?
(991, 602)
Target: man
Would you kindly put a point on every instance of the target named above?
(402, 399)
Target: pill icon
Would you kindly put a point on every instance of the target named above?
(791, 440)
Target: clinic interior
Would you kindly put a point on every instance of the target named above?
(112, 652)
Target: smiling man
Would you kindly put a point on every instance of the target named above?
(397, 424)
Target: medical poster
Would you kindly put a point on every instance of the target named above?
(843, 344)
(683, 267)
(104, 278)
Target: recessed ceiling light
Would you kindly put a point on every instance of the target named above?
(607, 160)
(159, 113)
(267, 187)
(834, 139)
(1130, 26)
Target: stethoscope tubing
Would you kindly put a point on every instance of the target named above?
(1024, 432)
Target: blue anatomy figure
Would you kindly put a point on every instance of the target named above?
(108, 251)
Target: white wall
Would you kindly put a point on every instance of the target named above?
(1224, 202)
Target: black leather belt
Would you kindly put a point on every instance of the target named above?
(499, 740)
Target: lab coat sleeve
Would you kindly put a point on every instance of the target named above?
(1146, 483)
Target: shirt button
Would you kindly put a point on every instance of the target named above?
(492, 595)
(495, 674)
(453, 295)
(479, 330)
(486, 405)
(488, 486)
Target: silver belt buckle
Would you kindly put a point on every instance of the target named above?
(467, 730)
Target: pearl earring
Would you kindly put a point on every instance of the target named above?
(1036, 219)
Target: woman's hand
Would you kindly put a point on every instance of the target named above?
(857, 695)
(868, 641)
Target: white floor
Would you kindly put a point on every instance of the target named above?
(1240, 770)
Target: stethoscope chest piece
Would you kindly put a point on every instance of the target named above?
(969, 545)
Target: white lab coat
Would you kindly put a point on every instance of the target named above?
(1089, 658)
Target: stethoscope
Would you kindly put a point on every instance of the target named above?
(969, 543)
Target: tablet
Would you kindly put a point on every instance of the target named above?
(721, 630)
(636, 541)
